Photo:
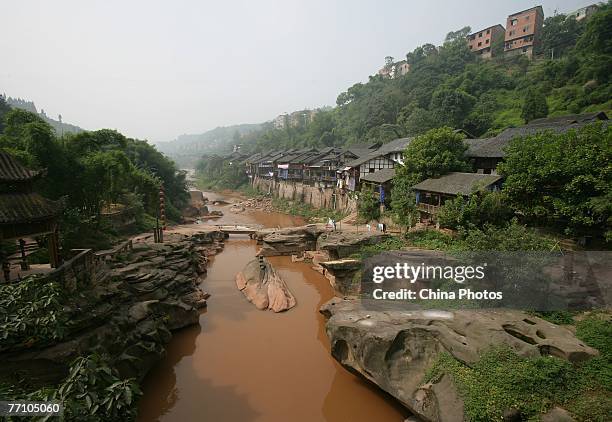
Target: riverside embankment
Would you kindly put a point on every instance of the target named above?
(244, 364)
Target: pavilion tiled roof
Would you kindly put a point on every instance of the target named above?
(18, 208)
(12, 171)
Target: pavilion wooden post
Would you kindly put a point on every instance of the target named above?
(24, 259)
(6, 270)
(53, 245)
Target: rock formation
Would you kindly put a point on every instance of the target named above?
(139, 297)
(394, 349)
(343, 275)
(288, 241)
(342, 244)
(263, 287)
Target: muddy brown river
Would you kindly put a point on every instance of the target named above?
(242, 364)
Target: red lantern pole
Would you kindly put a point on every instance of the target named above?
(162, 207)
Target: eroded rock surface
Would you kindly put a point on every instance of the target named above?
(343, 275)
(341, 244)
(288, 241)
(394, 349)
(263, 287)
(129, 312)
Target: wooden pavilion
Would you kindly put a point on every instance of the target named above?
(25, 213)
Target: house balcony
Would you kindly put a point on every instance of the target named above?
(428, 208)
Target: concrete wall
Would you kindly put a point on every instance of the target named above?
(317, 197)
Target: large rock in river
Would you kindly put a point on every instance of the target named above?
(263, 287)
(343, 244)
(288, 241)
(394, 349)
(343, 275)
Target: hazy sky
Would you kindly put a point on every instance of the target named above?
(157, 69)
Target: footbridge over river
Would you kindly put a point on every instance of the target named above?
(237, 228)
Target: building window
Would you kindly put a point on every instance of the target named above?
(487, 41)
(480, 35)
(479, 44)
(527, 17)
(513, 22)
(526, 28)
(488, 31)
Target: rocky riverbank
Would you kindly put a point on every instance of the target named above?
(396, 349)
(138, 298)
(259, 203)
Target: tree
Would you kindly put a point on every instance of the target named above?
(534, 106)
(478, 210)
(452, 106)
(418, 121)
(385, 133)
(433, 154)
(562, 180)
(368, 207)
(459, 35)
(437, 152)
(595, 46)
(403, 202)
(559, 35)
(4, 109)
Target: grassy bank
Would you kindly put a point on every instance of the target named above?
(502, 381)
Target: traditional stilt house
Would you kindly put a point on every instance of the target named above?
(431, 194)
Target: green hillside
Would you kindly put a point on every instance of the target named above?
(58, 126)
(449, 86)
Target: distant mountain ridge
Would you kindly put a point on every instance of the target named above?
(187, 149)
(60, 128)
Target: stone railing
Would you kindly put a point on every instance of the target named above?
(86, 267)
(110, 254)
(83, 269)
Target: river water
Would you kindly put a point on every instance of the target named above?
(243, 364)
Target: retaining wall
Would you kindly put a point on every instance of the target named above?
(317, 197)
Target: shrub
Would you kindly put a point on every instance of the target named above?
(480, 209)
(31, 313)
(368, 207)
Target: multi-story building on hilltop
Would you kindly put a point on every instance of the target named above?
(393, 69)
(280, 121)
(524, 32)
(583, 12)
(481, 42)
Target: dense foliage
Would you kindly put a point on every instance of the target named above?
(92, 391)
(31, 313)
(448, 85)
(510, 236)
(432, 154)
(476, 211)
(92, 171)
(501, 380)
(562, 180)
(368, 207)
(216, 173)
